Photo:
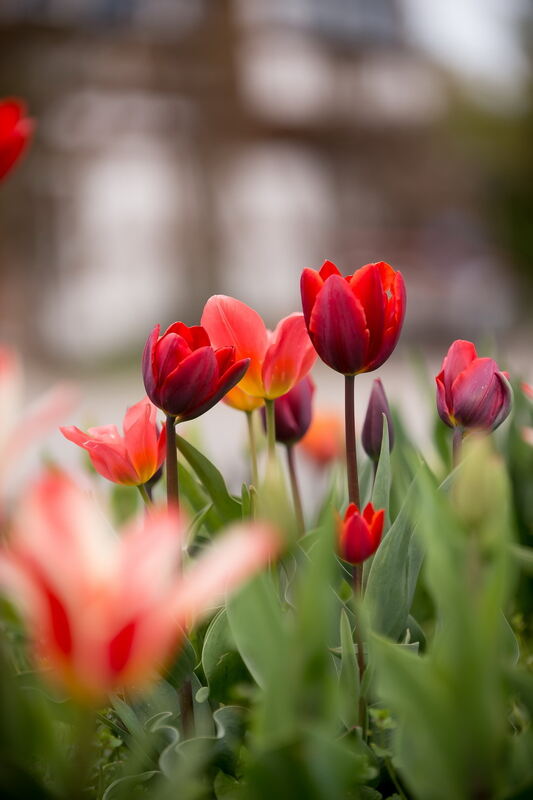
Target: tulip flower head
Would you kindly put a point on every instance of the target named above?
(360, 534)
(355, 321)
(15, 131)
(324, 441)
(279, 359)
(184, 374)
(293, 412)
(373, 425)
(131, 459)
(104, 611)
(472, 392)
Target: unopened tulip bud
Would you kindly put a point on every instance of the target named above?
(373, 425)
(293, 412)
(360, 534)
(472, 393)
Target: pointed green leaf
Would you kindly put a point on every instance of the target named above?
(213, 482)
(349, 676)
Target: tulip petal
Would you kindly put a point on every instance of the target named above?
(478, 394)
(170, 351)
(141, 437)
(231, 559)
(112, 462)
(367, 286)
(191, 383)
(394, 287)
(311, 283)
(148, 362)
(289, 356)
(230, 322)
(338, 327)
(442, 405)
(242, 401)
(459, 356)
(195, 335)
(229, 379)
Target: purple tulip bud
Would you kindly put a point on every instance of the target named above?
(293, 412)
(373, 425)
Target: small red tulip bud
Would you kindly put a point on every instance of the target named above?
(293, 412)
(360, 534)
(373, 425)
(472, 392)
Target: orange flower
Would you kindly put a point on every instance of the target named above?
(324, 441)
(130, 459)
(105, 611)
(278, 359)
(242, 401)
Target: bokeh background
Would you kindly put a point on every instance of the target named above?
(190, 147)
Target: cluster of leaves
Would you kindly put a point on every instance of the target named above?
(445, 705)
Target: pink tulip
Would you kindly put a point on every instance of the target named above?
(279, 359)
(130, 459)
(105, 611)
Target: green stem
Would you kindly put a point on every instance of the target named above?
(457, 442)
(253, 447)
(143, 491)
(271, 428)
(349, 431)
(173, 495)
(296, 497)
(185, 692)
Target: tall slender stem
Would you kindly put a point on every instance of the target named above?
(253, 447)
(296, 497)
(271, 427)
(173, 495)
(349, 430)
(185, 692)
(457, 442)
(143, 491)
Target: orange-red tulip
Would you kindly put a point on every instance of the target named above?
(324, 441)
(130, 459)
(355, 321)
(279, 359)
(105, 611)
(360, 534)
(15, 131)
(242, 401)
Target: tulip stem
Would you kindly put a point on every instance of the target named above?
(173, 496)
(349, 430)
(457, 443)
(271, 428)
(143, 491)
(253, 447)
(296, 497)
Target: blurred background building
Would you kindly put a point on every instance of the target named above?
(188, 147)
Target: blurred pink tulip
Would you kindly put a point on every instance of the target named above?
(19, 430)
(131, 459)
(106, 611)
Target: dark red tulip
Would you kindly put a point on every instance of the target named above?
(355, 321)
(15, 131)
(373, 424)
(293, 412)
(184, 375)
(472, 392)
(360, 534)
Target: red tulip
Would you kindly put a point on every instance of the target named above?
(355, 321)
(373, 425)
(130, 459)
(293, 412)
(184, 375)
(360, 534)
(15, 131)
(472, 392)
(106, 611)
(278, 359)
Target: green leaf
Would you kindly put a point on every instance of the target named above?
(222, 664)
(382, 483)
(246, 502)
(349, 676)
(392, 576)
(210, 477)
(183, 665)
